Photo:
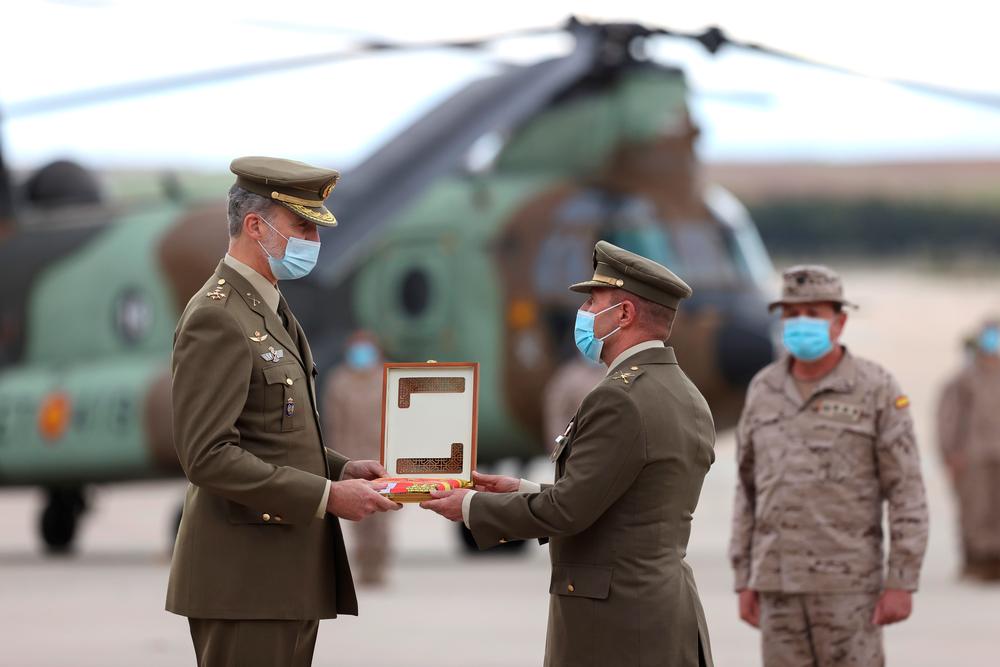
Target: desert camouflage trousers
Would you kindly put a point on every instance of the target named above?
(820, 630)
(371, 541)
(979, 509)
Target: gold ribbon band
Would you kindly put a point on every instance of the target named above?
(296, 200)
(613, 282)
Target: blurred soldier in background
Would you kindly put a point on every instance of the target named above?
(352, 416)
(825, 438)
(969, 439)
(569, 385)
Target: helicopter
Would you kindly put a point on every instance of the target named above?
(458, 239)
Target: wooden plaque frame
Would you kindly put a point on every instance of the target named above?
(437, 380)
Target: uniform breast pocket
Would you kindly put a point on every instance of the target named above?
(769, 440)
(285, 398)
(855, 449)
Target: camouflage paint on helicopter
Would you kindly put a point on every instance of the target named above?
(479, 267)
(86, 398)
(476, 269)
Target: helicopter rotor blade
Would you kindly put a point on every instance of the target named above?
(746, 98)
(133, 89)
(713, 39)
(382, 185)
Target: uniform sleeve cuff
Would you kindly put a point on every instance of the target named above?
(901, 583)
(527, 486)
(466, 508)
(321, 510)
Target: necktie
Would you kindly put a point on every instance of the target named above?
(286, 318)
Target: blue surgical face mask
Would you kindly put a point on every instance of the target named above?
(989, 340)
(300, 257)
(586, 341)
(361, 356)
(807, 338)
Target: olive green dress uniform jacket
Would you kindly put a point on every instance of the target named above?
(247, 433)
(628, 478)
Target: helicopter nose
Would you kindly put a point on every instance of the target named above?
(744, 346)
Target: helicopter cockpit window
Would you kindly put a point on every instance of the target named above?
(635, 227)
(563, 259)
(705, 254)
(586, 208)
(415, 292)
(745, 243)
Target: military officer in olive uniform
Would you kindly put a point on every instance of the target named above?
(259, 557)
(629, 471)
(824, 440)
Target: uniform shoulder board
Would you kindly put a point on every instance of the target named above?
(217, 293)
(625, 376)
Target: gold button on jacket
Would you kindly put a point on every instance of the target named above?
(257, 473)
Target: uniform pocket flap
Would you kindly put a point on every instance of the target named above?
(582, 581)
(241, 514)
(279, 374)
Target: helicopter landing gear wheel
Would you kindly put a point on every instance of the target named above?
(59, 519)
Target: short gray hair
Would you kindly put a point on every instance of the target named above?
(241, 203)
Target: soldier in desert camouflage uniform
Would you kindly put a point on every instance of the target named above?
(969, 439)
(352, 418)
(825, 438)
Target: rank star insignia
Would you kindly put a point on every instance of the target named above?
(216, 294)
(273, 355)
(623, 376)
(258, 337)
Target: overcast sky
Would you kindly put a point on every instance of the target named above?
(333, 114)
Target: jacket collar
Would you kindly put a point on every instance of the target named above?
(254, 300)
(654, 355)
(261, 285)
(842, 379)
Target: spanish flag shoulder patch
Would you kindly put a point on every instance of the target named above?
(902, 402)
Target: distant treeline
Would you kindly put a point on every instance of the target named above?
(878, 227)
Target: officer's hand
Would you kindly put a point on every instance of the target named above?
(364, 470)
(893, 606)
(446, 503)
(355, 499)
(750, 607)
(495, 483)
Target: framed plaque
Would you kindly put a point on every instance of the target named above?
(429, 427)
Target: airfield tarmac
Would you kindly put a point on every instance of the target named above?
(103, 607)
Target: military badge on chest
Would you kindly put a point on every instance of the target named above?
(273, 355)
(562, 440)
(837, 411)
(290, 407)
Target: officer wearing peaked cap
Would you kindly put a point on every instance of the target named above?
(260, 556)
(629, 471)
(824, 440)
